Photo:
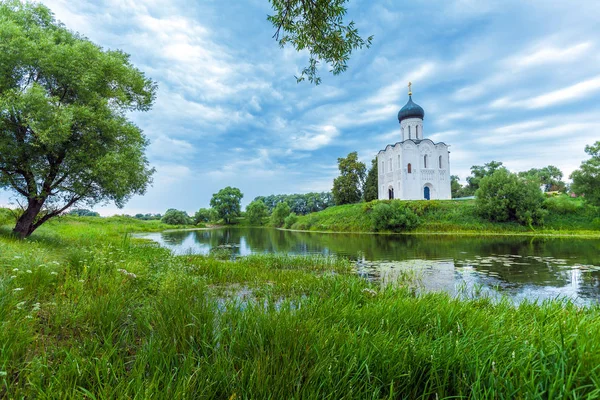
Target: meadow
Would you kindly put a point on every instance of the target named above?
(87, 311)
(564, 216)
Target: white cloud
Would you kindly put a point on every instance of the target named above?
(315, 138)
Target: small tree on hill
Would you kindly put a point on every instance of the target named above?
(256, 211)
(281, 211)
(176, 217)
(226, 202)
(64, 135)
(586, 179)
(347, 187)
(370, 191)
(503, 197)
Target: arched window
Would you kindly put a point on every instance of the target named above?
(409, 134)
(417, 131)
(425, 161)
(390, 164)
(383, 167)
(409, 168)
(440, 162)
(399, 164)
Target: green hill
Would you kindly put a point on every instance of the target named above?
(565, 216)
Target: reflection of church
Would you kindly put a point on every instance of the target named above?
(415, 168)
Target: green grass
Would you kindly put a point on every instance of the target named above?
(574, 218)
(88, 312)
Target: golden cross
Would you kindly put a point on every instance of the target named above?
(409, 88)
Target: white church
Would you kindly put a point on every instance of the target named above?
(414, 168)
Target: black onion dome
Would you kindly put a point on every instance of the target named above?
(411, 110)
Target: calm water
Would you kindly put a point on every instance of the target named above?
(518, 267)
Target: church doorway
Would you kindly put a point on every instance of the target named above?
(426, 193)
(391, 193)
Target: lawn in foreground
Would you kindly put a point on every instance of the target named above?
(87, 312)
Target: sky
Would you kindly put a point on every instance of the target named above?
(512, 81)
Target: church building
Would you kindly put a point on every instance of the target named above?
(415, 168)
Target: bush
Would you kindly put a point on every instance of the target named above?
(281, 211)
(176, 217)
(290, 220)
(393, 216)
(504, 197)
(205, 215)
(562, 204)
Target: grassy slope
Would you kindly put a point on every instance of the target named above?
(448, 217)
(73, 325)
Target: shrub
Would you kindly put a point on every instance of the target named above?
(290, 220)
(82, 212)
(205, 215)
(562, 204)
(393, 216)
(176, 217)
(281, 211)
(504, 197)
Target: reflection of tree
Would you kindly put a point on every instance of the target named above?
(536, 254)
(175, 238)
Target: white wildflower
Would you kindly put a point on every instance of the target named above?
(21, 304)
(18, 289)
(15, 269)
(13, 276)
(513, 354)
(81, 281)
(29, 271)
(370, 292)
(36, 307)
(17, 257)
(53, 273)
(126, 273)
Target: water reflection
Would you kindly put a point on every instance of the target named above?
(522, 267)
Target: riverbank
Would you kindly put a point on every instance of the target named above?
(454, 217)
(86, 311)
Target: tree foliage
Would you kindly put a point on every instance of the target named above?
(370, 190)
(300, 204)
(347, 188)
(226, 202)
(281, 211)
(318, 27)
(205, 215)
(455, 187)
(256, 211)
(290, 220)
(586, 179)
(478, 172)
(64, 135)
(82, 212)
(176, 217)
(504, 196)
(549, 177)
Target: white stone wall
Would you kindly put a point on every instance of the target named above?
(411, 128)
(410, 186)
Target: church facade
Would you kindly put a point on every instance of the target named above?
(415, 168)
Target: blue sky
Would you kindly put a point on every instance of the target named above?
(512, 81)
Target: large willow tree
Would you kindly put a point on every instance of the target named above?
(64, 135)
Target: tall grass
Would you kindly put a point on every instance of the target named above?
(87, 314)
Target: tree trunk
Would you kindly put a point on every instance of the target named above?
(26, 222)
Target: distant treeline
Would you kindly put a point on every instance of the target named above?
(300, 204)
